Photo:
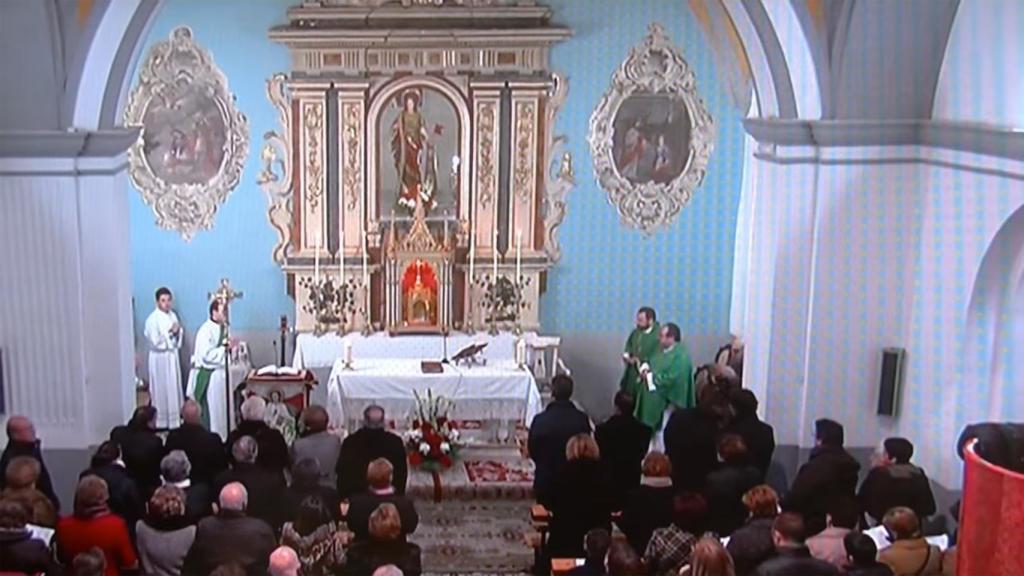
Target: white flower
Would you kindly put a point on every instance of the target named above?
(424, 448)
(417, 434)
(454, 433)
(446, 447)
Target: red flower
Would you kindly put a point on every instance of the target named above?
(415, 458)
(446, 461)
(440, 421)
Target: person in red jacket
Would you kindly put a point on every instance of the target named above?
(94, 525)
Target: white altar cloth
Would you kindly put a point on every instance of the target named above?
(497, 391)
(323, 351)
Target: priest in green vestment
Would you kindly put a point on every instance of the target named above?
(666, 380)
(641, 345)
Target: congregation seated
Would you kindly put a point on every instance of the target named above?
(828, 544)
(380, 490)
(165, 536)
(580, 498)
(92, 562)
(909, 554)
(595, 547)
(829, 475)
(623, 441)
(205, 449)
(759, 436)
(273, 450)
(265, 488)
(670, 547)
(384, 546)
(649, 506)
(141, 449)
(231, 537)
(315, 537)
(20, 552)
(306, 476)
(125, 497)
(791, 554)
(22, 475)
(365, 445)
(93, 525)
(318, 443)
(176, 470)
(691, 437)
(894, 481)
(751, 544)
(284, 562)
(709, 558)
(550, 431)
(862, 556)
(22, 441)
(623, 560)
(725, 486)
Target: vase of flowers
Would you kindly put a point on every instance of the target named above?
(432, 440)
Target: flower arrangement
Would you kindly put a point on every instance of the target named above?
(433, 440)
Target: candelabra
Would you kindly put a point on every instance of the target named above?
(331, 304)
(503, 301)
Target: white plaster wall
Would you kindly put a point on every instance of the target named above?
(981, 79)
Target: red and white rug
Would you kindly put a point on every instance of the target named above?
(495, 471)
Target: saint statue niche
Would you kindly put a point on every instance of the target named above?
(415, 158)
(418, 151)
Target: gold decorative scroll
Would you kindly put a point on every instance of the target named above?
(313, 122)
(352, 152)
(276, 156)
(524, 171)
(486, 150)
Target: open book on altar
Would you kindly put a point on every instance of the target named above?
(272, 370)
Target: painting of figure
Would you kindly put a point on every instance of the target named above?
(420, 140)
(183, 137)
(652, 138)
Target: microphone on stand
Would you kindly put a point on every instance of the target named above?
(444, 335)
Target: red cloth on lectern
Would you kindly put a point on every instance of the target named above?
(991, 540)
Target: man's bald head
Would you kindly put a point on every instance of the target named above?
(191, 412)
(21, 429)
(284, 562)
(388, 570)
(234, 497)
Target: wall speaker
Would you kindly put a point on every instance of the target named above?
(891, 381)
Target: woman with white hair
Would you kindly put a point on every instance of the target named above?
(273, 450)
(176, 471)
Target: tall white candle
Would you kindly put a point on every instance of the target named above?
(366, 274)
(472, 255)
(495, 264)
(519, 254)
(341, 263)
(348, 353)
(316, 260)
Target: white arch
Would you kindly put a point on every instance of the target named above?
(764, 86)
(377, 103)
(796, 49)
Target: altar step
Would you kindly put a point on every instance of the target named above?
(480, 472)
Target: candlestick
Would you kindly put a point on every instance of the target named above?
(366, 280)
(445, 227)
(519, 254)
(472, 255)
(495, 266)
(316, 260)
(348, 354)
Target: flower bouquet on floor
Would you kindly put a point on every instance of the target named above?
(432, 440)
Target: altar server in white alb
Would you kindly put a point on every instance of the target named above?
(208, 377)
(164, 335)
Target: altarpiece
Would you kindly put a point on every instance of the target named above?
(416, 173)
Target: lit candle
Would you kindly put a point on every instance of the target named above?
(472, 254)
(348, 352)
(446, 227)
(316, 260)
(519, 254)
(366, 275)
(495, 266)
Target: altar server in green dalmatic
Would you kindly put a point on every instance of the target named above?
(641, 345)
(666, 380)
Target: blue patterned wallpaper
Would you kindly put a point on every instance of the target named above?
(606, 271)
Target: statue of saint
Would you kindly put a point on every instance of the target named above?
(414, 156)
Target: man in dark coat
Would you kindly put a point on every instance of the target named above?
(691, 438)
(20, 552)
(550, 432)
(792, 556)
(361, 506)
(829, 475)
(231, 537)
(727, 484)
(273, 453)
(22, 441)
(757, 435)
(265, 488)
(894, 481)
(141, 449)
(125, 498)
(623, 441)
(365, 445)
(205, 449)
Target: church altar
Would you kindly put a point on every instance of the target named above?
(323, 351)
(497, 391)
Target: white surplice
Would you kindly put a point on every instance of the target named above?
(164, 367)
(209, 353)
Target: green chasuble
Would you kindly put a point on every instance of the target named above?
(673, 384)
(642, 344)
(203, 384)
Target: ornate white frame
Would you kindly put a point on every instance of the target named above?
(651, 205)
(159, 70)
